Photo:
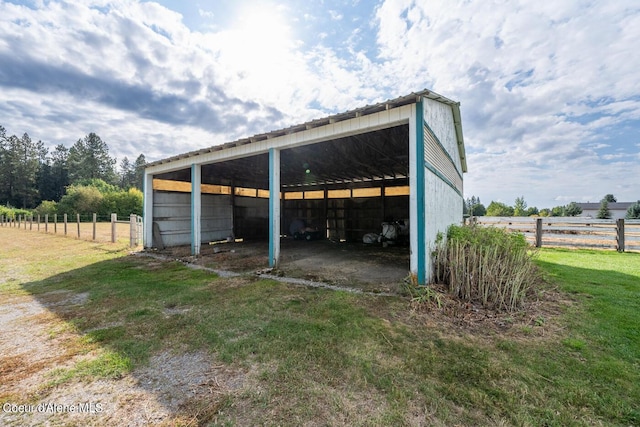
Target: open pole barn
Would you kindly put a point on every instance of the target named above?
(345, 174)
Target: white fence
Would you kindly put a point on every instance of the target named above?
(97, 230)
(576, 232)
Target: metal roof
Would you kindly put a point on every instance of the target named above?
(412, 98)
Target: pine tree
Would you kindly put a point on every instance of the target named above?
(603, 212)
(89, 159)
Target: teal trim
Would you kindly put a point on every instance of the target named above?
(420, 193)
(442, 177)
(443, 149)
(193, 209)
(273, 197)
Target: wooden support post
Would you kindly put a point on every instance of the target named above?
(95, 218)
(65, 224)
(19, 217)
(78, 220)
(114, 218)
(55, 223)
(2, 220)
(38, 222)
(620, 234)
(538, 232)
(31, 222)
(46, 223)
(133, 232)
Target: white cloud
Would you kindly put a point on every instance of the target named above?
(542, 85)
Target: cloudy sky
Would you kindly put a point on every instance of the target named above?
(549, 91)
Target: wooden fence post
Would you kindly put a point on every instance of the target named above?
(31, 222)
(55, 223)
(19, 217)
(620, 235)
(133, 231)
(65, 224)
(114, 218)
(78, 219)
(538, 232)
(38, 222)
(46, 223)
(95, 217)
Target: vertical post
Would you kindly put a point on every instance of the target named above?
(620, 234)
(133, 235)
(114, 218)
(196, 208)
(19, 218)
(95, 218)
(2, 220)
(274, 207)
(65, 224)
(38, 222)
(46, 223)
(419, 264)
(55, 223)
(538, 232)
(147, 212)
(31, 222)
(78, 220)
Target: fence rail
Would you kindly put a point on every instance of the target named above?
(73, 226)
(621, 235)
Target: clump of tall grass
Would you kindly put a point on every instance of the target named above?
(486, 265)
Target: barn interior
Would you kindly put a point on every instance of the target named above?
(343, 188)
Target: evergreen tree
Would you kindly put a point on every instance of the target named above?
(19, 171)
(89, 159)
(520, 206)
(139, 165)
(59, 171)
(572, 209)
(127, 174)
(603, 212)
(610, 198)
(634, 211)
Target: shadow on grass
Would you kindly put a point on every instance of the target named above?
(309, 354)
(127, 316)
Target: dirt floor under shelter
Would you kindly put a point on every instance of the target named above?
(370, 268)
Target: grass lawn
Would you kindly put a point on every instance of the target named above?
(323, 357)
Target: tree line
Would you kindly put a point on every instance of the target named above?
(68, 180)
(473, 207)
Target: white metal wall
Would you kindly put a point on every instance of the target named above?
(443, 174)
(172, 213)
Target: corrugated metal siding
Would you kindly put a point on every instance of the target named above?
(217, 217)
(438, 159)
(172, 212)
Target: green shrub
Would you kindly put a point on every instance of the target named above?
(46, 207)
(12, 213)
(80, 200)
(486, 265)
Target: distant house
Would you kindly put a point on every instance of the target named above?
(618, 210)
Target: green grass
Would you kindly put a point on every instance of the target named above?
(314, 354)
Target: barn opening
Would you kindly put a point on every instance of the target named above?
(396, 164)
(341, 189)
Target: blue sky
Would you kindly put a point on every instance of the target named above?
(549, 91)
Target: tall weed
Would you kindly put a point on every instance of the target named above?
(486, 265)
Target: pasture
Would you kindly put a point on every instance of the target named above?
(154, 342)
